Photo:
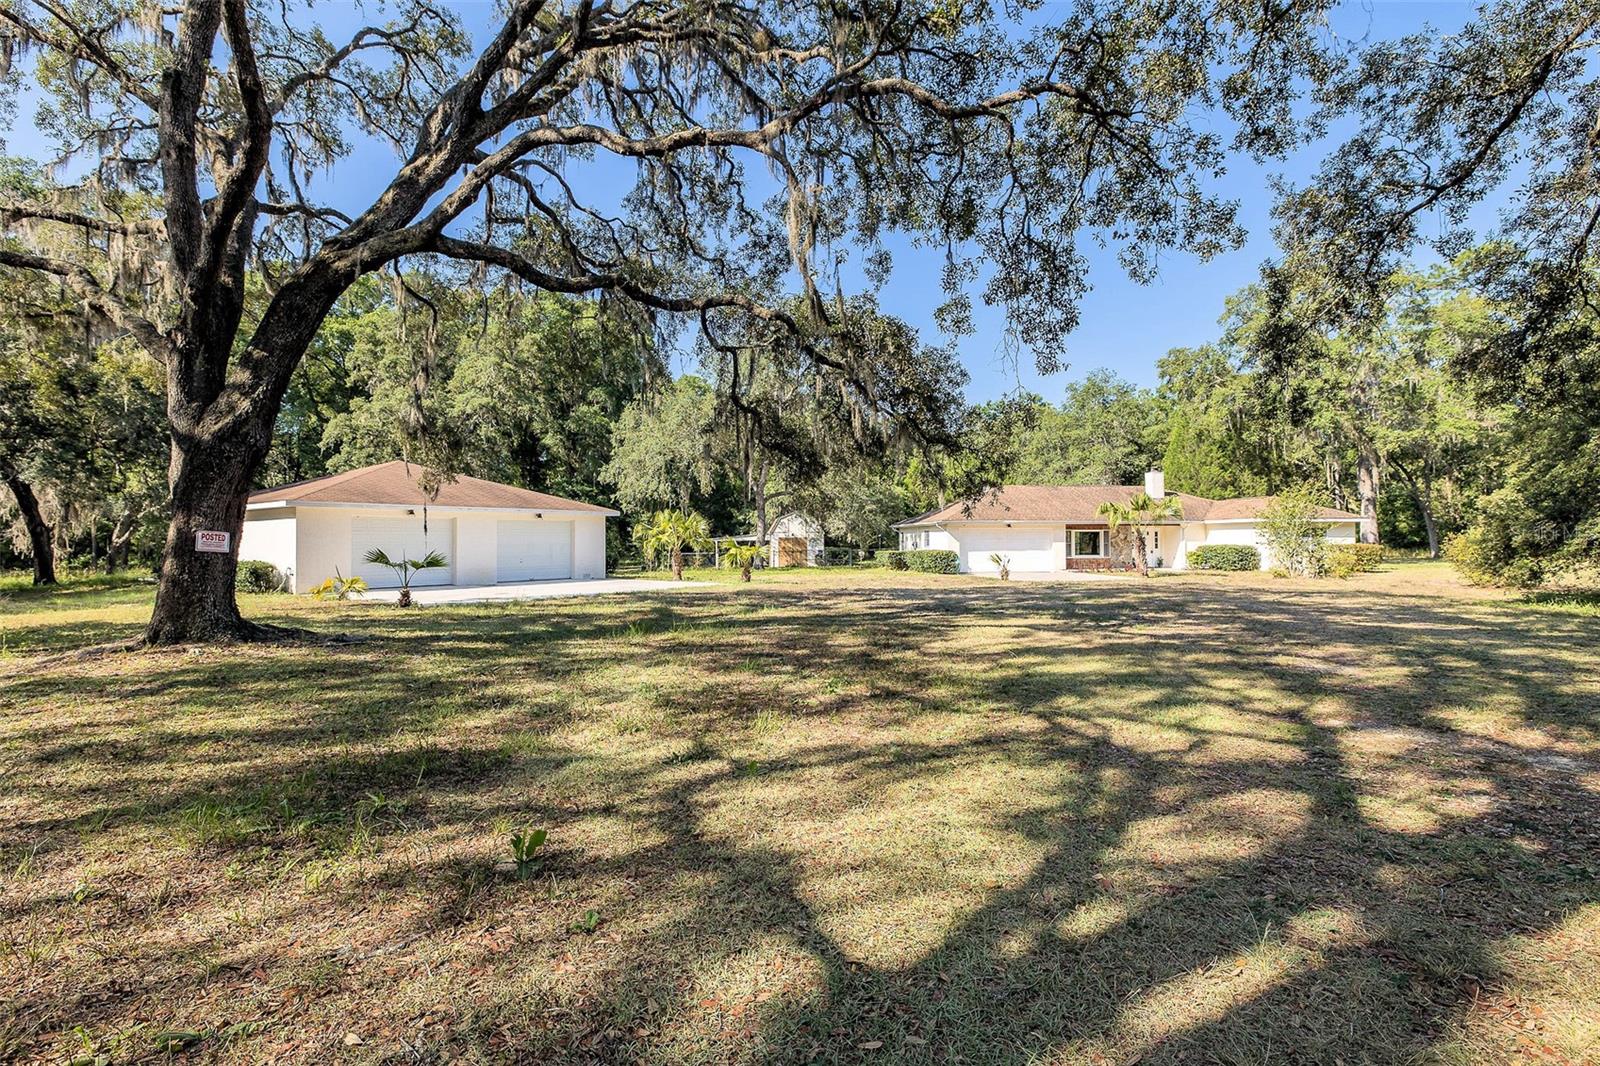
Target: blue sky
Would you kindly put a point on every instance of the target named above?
(1126, 327)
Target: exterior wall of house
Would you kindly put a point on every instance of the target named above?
(927, 538)
(313, 542)
(1344, 533)
(1250, 533)
(477, 543)
(1029, 547)
(270, 538)
(589, 546)
(322, 546)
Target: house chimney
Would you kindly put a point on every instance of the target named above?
(1155, 484)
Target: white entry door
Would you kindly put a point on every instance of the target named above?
(533, 551)
(402, 538)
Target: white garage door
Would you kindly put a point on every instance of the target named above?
(533, 551)
(1028, 549)
(402, 538)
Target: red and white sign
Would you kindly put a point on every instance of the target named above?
(211, 540)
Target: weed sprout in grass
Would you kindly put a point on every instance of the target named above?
(525, 849)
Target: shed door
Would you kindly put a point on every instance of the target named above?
(533, 551)
(792, 551)
(402, 538)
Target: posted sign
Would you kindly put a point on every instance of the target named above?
(211, 540)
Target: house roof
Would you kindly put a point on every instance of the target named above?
(1080, 504)
(395, 483)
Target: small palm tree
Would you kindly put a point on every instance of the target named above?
(1141, 511)
(743, 556)
(406, 568)
(1003, 564)
(672, 532)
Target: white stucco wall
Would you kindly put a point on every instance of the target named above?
(1029, 548)
(1176, 541)
(477, 542)
(1250, 533)
(1343, 533)
(270, 538)
(936, 540)
(323, 546)
(589, 546)
(312, 542)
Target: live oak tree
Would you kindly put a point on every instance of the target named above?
(765, 137)
(1441, 123)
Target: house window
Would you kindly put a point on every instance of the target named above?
(1086, 542)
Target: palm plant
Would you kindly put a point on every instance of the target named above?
(339, 587)
(743, 556)
(1141, 511)
(405, 569)
(1003, 564)
(672, 532)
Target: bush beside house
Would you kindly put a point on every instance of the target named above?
(1346, 559)
(1224, 557)
(253, 575)
(932, 561)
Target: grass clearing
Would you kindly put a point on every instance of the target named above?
(834, 816)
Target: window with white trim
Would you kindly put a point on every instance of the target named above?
(1087, 543)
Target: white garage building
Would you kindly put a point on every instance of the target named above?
(490, 533)
(1044, 528)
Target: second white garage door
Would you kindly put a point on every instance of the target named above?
(533, 551)
(1029, 550)
(401, 538)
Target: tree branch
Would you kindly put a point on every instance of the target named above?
(93, 294)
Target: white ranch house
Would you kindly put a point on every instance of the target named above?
(1047, 528)
(490, 533)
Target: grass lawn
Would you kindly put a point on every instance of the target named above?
(832, 816)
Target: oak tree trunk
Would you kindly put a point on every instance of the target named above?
(210, 477)
(44, 555)
(1367, 488)
(121, 540)
(1425, 500)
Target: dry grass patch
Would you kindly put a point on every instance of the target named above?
(825, 817)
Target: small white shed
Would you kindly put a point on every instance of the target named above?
(795, 540)
(489, 533)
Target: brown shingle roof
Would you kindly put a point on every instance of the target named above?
(1080, 504)
(396, 483)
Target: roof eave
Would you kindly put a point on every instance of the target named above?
(604, 512)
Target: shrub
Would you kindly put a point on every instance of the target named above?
(1347, 559)
(253, 575)
(1292, 532)
(1225, 557)
(1478, 555)
(933, 561)
(894, 560)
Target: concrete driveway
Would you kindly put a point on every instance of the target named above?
(1065, 575)
(524, 590)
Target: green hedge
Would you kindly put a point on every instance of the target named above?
(931, 561)
(1346, 559)
(253, 575)
(894, 560)
(1224, 557)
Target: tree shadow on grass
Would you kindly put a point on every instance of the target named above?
(1025, 824)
